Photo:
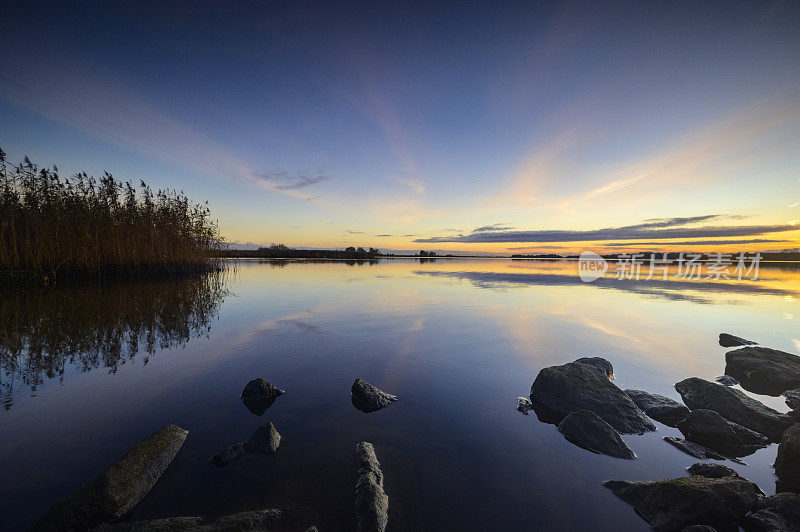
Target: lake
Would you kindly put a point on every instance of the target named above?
(89, 370)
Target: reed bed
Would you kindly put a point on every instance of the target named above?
(53, 227)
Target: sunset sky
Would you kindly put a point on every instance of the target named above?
(549, 127)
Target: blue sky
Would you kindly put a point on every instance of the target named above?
(328, 125)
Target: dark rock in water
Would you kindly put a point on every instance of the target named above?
(264, 440)
(585, 429)
(524, 405)
(658, 407)
(680, 502)
(762, 370)
(284, 518)
(733, 405)
(778, 513)
(727, 380)
(118, 489)
(560, 390)
(600, 364)
(708, 470)
(787, 463)
(260, 390)
(729, 340)
(259, 395)
(792, 398)
(698, 528)
(693, 449)
(372, 503)
(368, 398)
(711, 430)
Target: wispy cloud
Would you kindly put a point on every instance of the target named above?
(382, 236)
(493, 227)
(350, 232)
(696, 242)
(657, 228)
(286, 181)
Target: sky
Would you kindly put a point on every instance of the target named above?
(546, 127)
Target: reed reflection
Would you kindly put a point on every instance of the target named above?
(45, 332)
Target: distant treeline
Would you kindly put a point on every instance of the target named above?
(280, 251)
(53, 227)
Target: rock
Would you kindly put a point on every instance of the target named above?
(762, 370)
(372, 503)
(118, 489)
(524, 405)
(792, 398)
(658, 407)
(560, 390)
(600, 364)
(729, 340)
(258, 395)
(284, 518)
(680, 502)
(727, 380)
(709, 470)
(693, 449)
(368, 398)
(259, 390)
(264, 440)
(733, 405)
(778, 513)
(585, 429)
(711, 430)
(698, 528)
(787, 463)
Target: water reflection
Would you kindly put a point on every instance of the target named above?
(45, 331)
(676, 289)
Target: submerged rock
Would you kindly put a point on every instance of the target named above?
(658, 407)
(763, 370)
(368, 398)
(560, 390)
(787, 463)
(284, 518)
(118, 489)
(600, 364)
(729, 340)
(264, 440)
(792, 398)
(693, 449)
(733, 405)
(372, 503)
(709, 470)
(727, 380)
(524, 405)
(585, 429)
(778, 513)
(680, 502)
(711, 430)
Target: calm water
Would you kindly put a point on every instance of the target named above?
(88, 371)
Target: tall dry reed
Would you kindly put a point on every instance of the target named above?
(53, 227)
